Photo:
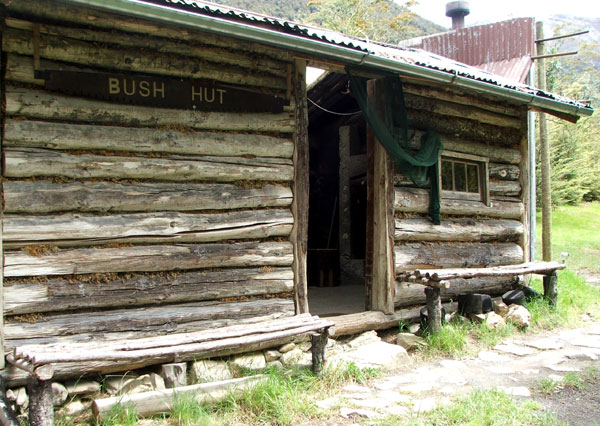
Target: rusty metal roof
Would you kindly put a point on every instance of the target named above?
(328, 44)
(503, 48)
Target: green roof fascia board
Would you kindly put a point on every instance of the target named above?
(316, 47)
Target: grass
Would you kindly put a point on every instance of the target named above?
(572, 380)
(575, 230)
(480, 407)
(283, 398)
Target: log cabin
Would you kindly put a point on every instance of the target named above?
(165, 170)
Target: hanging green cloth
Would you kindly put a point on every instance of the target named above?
(421, 167)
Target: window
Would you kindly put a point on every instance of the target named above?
(464, 176)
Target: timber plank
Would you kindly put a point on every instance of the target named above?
(112, 291)
(41, 134)
(30, 162)
(456, 255)
(411, 294)
(37, 104)
(458, 229)
(47, 196)
(147, 258)
(49, 10)
(164, 227)
(195, 49)
(145, 319)
(128, 58)
(416, 200)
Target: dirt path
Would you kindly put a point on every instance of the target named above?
(517, 366)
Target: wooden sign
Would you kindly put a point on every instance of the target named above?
(200, 95)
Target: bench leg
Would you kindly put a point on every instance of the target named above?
(434, 308)
(319, 343)
(41, 409)
(551, 288)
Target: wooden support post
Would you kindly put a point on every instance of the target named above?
(299, 237)
(551, 288)
(319, 343)
(434, 309)
(544, 156)
(7, 415)
(41, 409)
(383, 273)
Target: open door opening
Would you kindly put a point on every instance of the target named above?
(337, 202)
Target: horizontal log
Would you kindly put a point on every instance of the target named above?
(542, 268)
(16, 377)
(146, 404)
(506, 188)
(47, 197)
(410, 294)
(495, 153)
(53, 353)
(456, 255)
(41, 134)
(504, 171)
(458, 229)
(194, 49)
(24, 296)
(462, 111)
(36, 104)
(377, 320)
(163, 227)
(464, 128)
(49, 10)
(153, 319)
(456, 96)
(147, 258)
(132, 59)
(30, 162)
(416, 200)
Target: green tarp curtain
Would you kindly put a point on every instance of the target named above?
(422, 166)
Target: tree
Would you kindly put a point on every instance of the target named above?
(379, 20)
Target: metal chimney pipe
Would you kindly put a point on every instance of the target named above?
(457, 10)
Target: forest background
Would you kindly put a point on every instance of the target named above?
(575, 148)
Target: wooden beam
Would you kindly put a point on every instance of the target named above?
(300, 189)
(146, 258)
(30, 162)
(95, 292)
(44, 196)
(382, 292)
(416, 200)
(70, 230)
(66, 136)
(55, 107)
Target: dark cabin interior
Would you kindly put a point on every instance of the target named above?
(338, 199)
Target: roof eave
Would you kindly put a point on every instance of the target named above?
(347, 55)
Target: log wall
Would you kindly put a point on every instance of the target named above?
(471, 233)
(124, 221)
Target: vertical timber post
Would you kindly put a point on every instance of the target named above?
(544, 154)
(434, 309)
(383, 270)
(551, 288)
(299, 237)
(319, 343)
(41, 408)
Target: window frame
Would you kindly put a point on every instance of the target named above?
(483, 167)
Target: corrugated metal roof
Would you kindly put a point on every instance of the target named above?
(504, 48)
(376, 54)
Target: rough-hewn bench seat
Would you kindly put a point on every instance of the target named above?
(39, 360)
(434, 279)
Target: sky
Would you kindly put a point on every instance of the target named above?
(486, 11)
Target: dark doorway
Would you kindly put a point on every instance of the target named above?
(338, 202)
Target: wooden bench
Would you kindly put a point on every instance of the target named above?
(38, 360)
(435, 279)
